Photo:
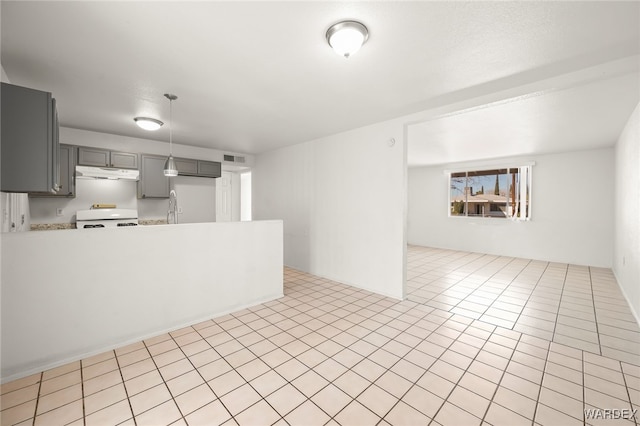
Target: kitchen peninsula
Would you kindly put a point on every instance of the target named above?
(82, 293)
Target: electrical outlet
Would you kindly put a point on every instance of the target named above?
(624, 260)
(179, 210)
(59, 212)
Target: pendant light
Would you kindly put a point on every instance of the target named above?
(170, 168)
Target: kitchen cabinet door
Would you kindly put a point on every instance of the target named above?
(30, 146)
(67, 174)
(153, 183)
(209, 168)
(104, 158)
(187, 167)
(67, 171)
(93, 157)
(124, 160)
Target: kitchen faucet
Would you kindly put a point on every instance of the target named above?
(172, 213)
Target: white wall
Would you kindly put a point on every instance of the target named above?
(245, 196)
(572, 214)
(88, 192)
(196, 199)
(626, 211)
(342, 200)
(70, 294)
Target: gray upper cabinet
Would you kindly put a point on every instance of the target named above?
(209, 169)
(30, 146)
(124, 160)
(187, 167)
(93, 157)
(105, 158)
(67, 174)
(153, 183)
(200, 168)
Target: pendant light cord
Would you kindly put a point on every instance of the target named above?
(171, 98)
(170, 126)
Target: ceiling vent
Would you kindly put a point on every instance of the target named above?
(233, 158)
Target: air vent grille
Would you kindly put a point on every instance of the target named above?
(233, 158)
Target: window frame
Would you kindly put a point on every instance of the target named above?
(523, 190)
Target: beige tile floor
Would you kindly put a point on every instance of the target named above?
(578, 306)
(327, 353)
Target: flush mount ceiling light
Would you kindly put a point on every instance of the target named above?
(170, 168)
(347, 37)
(147, 123)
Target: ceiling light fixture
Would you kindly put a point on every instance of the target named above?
(170, 168)
(347, 37)
(147, 123)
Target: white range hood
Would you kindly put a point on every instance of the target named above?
(86, 172)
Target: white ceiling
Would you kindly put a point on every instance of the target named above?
(254, 76)
(583, 110)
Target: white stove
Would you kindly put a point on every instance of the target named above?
(106, 218)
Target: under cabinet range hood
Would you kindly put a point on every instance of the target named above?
(85, 172)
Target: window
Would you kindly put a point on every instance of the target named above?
(493, 193)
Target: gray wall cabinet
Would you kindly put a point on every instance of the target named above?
(200, 168)
(153, 183)
(105, 158)
(67, 174)
(186, 166)
(209, 169)
(30, 146)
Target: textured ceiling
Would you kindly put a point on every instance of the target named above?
(255, 76)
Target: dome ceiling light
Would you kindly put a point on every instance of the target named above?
(147, 123)
(347, 37)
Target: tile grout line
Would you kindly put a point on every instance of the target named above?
(500, 381)
(555, 323)
(364, 357)
(497, 258)
(544, 370)
(445, 400)
(595, 312)
(126, 392)
(461, 279)
(386, 370)
(624, 380)
(84, 412)
(200, 374)
(164, 382)
(499, 294)
(234, 369)
(525, 303)
(35, 410)
(584, 390)
(347, 347)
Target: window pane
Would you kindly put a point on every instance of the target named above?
(492, 193)
(513, 179)
(457, 184)
(487, 193)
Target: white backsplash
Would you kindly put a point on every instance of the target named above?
(122, 193)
